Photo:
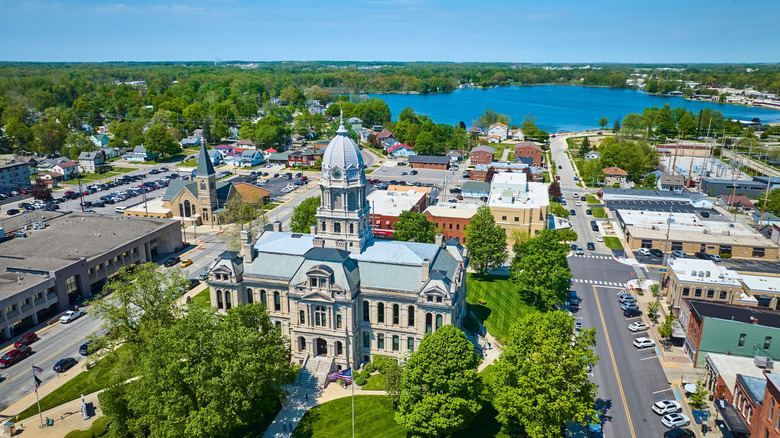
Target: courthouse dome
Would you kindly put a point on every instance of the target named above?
(341, 153)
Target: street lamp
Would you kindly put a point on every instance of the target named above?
(664, 266)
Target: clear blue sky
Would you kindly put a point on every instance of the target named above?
(661, 31)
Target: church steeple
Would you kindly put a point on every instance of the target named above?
(343, 216)
(205, 168)
(206, 183)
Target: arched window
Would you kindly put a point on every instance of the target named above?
(227, 300)
(320, 316)
(410, 316)
(339, 348)
(181, 210)
(396, 314)
(380, 312)
(302, 344)
(219, 299)
(203, 185)
(438, 322)
(410, 344)
(366, 316)
(428, 323)
(250, 296)
(263, 298)
(277, 301)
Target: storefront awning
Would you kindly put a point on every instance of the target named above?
(677, 330)
(731, 417)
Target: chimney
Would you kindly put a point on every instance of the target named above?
(426, 270)
(440, 239)
(247, 249)
(277, 226)
(755, 320)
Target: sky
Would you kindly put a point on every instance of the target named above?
(545, 31)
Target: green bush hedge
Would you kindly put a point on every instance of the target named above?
(99, 428)
(383, 363)
(80, 434)
(725, 256)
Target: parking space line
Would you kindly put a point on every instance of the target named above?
(663, 390)
(651, 357)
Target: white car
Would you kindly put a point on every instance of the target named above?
(675, 420)
(599, 238)
(643, 251)
(578, 203)
(643, 343)
(72, 315)
(666, 407)
(637, 326)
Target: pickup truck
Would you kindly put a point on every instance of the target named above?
(72, 315)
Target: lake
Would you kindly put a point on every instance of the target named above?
(556, 107)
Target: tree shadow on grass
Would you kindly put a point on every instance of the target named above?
(305, 428)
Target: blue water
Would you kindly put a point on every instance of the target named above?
(556, 107)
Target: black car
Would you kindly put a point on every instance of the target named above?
(64, 364)
(679, 433)
(657, 252)
(591, 246)
(702, 255)
(588, 212)
(12, 212)
(705, 214)
(455, 190)
(84, 350)
(572, 212)
(573, 247)
(632, 312)
(414, 172)
(171, 261)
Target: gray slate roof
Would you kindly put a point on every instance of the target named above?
(205, 168)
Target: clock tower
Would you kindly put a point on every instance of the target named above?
(343, 216)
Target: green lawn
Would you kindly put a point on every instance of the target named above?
(166, 159)
(109, 372)
(373, 418)
(613, 243)
(369, 171)
(504, 304)
(590, 199)
(598, 212)
(375, 382)
(188, 163)
(115, 171)
(202, 297)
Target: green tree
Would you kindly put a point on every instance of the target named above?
(20, 134)
(204, 375)
(541, 271)
(554, 191)
(414, 227)
(490, 117)
(41, 190)
(157, 140)
(665, 330)
(566, 235)
(650, 180)
(240, 211)
(541, 382)
(772, 202)
(305, 215)
(440, 385)
(529, 126)
(584, 146)
(632, 124)
(698, 399)
(486, 242)
(686, 125)
(394, 382)
(603, 122)
(76, 143)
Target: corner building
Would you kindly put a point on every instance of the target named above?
(337, 292)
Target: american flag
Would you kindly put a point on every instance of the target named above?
(38, 381)
(345, 375)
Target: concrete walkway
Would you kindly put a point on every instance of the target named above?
(67, 417)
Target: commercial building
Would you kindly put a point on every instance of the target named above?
(527, 149)
(717, 187)
(673, 183)
(452, 219)
(517, 204)
(387, 206)
(340, 295)
(482, 155)
(697, 200)
(692, 233)
(69, 258)
(729, 329)
(703, 280)
(475, 189)
(429, 162)
(722, 371)
(14, 176)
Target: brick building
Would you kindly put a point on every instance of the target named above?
(529, 149)
(482, 155)
(387, 206)
(452, 219)
(429, 162)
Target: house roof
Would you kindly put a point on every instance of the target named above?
(672, 180)
(615, 171)
(737, 200)
(395, 147)
(766, 318)
(89, 155)
(754, 386)
(246, 142)
(386, 133)
(429, 159)
(67, 164)
(484, 148)
(499, 124)
(527, 144)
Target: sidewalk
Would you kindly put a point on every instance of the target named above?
(67, 417)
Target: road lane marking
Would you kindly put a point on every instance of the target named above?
(663, 390)
(614, 363)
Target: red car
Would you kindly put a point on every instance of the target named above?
(27, 339)
(14, 356)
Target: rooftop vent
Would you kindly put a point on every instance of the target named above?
(297, 236)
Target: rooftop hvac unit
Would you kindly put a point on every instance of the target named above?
(693, 273)
(701, 273)
(764, 362)
(707, 274)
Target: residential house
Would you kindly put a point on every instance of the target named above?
(429, 162)
(112, 152)
(216, 156)
(247, 158)
(48, 164)
(456, 155)
(529, 149)
(14, 176)
(139, 153)
(65, 170)
(493, 139)
(401, 150)
(765, 218)
(356, 123)
(500, 130)
(739, 202)
(673, 183)
(615, 175)
(227, 150)
(592, 155)
(100, 140)
(387, 138)
(515, 134)
(364, 133)
(482, 155)
(190, 142)
(297, 140)
(304, 158)
(92, 161)
(246, 144)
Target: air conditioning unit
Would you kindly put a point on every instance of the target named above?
(763, 362)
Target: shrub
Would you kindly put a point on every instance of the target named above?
(383, 363)
(80, 434)
(369, 368)
(725, 256)
(360, 380)
(99, 427)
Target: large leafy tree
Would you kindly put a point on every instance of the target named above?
(40, 190)
(440, 385)
(541, 382)
(772, 202)
(305, 215)
(205, 374)
(554, 190)
(541, 271)
(414, 227)
(486, 241)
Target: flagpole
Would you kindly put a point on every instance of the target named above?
(353, 404)
(40, 416)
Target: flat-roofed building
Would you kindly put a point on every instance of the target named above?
(452, 219)
(387, 206)
(517, 204)
(37, 282)
(429, 162)
(722, 371)
(703, 280)
(692, 233)
(14, 176)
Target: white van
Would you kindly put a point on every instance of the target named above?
(119, 209)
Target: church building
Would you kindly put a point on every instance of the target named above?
(338, 293)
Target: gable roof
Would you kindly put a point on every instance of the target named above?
(738, 200)
(615, 171)
(386, 133)
(529, 145)
(66, 164)
(499, 124)
(395, 147)
(90, 155)
(672, 180)
(484, 148)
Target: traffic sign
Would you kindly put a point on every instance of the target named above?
(662, 269)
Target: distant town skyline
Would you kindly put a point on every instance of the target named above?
(556, 31)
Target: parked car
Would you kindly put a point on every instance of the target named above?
(702, 255)
(577, 326)
(64, 364)
(664, 407)
(455, 190)
(72, 315)
(84, 350)
(629, 305)
(26, 339)
(184, 263)
(626, 298)
(637, 326)
(588, 211)
(579, 250)
(15, 355)
(12, 212)
(657, 252)
(643, 251)
(705, 214)
(591, 246)
(203, 276)
(716, 258)
(644, 343)
(599, 238)
(680, 254)
(675, 420)
(572, 213)
(679, 433)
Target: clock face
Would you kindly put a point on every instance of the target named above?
(336, 173)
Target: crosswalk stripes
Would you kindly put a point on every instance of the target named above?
(590, 256)
(597, 282)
